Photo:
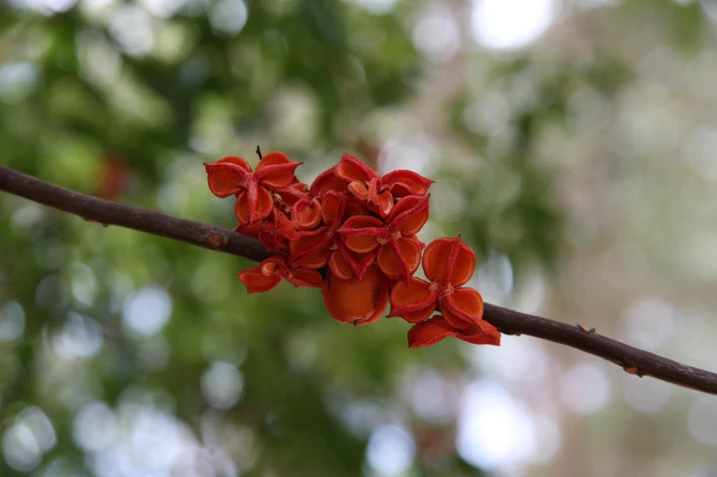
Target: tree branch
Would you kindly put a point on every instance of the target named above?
(107, 212)
(632, 360)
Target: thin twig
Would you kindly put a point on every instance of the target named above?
(107, 212)
(632, 360)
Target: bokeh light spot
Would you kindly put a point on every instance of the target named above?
(132, 29)
(516, 360)
(437, 37)
(702, 420)
(147, 311)
(646, 395)
(363, 416)
(229, 16)
(390, 450)
(80, 337)
(162, 8)
(585, 389)
(17, 81)
(648, 323)
(493, 430)
(510, 24)
(433, 397)
(491, 115)
(12, 321)
(495, 278)
(377, 7)
(30, 436)
(222, 385)
(83, 283)
(95, 426)
(699, 151)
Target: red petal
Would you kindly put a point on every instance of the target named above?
(482, 333)
(413, 301)
(360, 232)
(276, 231)
(361, 222)
(306, 214)
(354, 208)
(237, 161)
(463, 308)
(292, 193)
(340, 267)
(350, 265)
(241, 209)
(311, 248)
(227, 176)
(333, 205)
(271, 241)
(351, 169)
(429, 332)
(403, 183)
(360, 262)
(304, 277)
(249, 229)
(314, 260)
(448, 260)
(359, 190)
(276, 170)
(257, 281)
(400, 258)
(368, 193)
(361, 243)
(384, 203)
(327, 181)
(359, 302)
(283, 226)
(264, 204)
(409, 215)
(256, 203)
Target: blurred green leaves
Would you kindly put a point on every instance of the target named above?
(111, 334)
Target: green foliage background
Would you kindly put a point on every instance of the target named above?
(82, 87)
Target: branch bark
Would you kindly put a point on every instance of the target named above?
(632, 360)
(107, 212)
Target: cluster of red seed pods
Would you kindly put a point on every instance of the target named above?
(352, 233)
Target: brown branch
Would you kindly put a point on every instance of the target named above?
(632, 360)
(107, 212)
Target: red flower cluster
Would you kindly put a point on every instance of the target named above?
(352, 234)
